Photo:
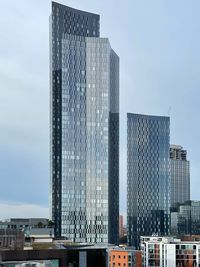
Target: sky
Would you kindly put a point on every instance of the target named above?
(158, 44)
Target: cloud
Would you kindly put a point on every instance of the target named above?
(22, 210)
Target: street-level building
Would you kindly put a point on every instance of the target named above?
(169, 252)
(11, 239)
(125, 257)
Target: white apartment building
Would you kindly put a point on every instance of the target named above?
(169, 252)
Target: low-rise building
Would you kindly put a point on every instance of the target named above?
(72, 256)
(31, 227)
(169, 252)
(11, 239)
(124, 257)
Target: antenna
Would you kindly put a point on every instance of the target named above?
(169, 111)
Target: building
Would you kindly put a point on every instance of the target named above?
(169, 252)
(12, 239)
(72, 256)
(180, 175)
(78, 255)
(31, 227)
(185, 219)
(23, 223)
(125, 257)
(148, 199)
(122, 231)
(84, 146)
(125, 231)
(192, 238)
(121, 225)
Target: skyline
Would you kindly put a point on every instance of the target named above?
(156, 74)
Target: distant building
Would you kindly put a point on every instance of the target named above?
(148, 199)
(38, 227)
(193, 238)
(125, 257)
(124, 231)
(22, 223)
(180, 175)
(185, 218)
(11, 239)
(169, 252)
(121, 225)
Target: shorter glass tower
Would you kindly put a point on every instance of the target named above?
(148, 176)
(180, 175)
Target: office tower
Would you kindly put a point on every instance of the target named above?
(185, 218)
(84, 190)
(148, 199)
(180, 175)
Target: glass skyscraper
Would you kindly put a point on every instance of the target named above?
(148, 171)
(84, 186)
(180, 175)
(185, 218)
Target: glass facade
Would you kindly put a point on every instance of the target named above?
(180, 175)
(84, 186)
(148, 190)
(185, 219)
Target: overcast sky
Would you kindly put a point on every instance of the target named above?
(158, 43)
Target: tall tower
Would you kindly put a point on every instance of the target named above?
(180, 175)
(148, 176)
(84, 185)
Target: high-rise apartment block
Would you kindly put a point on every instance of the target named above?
(148, 199)
(84, 191)
(180, 175)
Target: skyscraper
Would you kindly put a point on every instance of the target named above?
(84, 186)
(180, 175)
(148, 199)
